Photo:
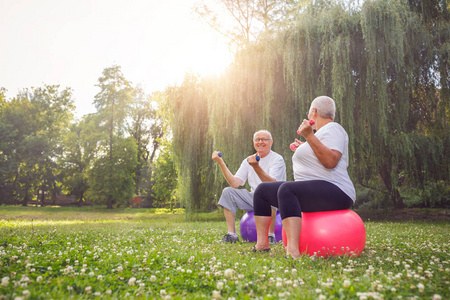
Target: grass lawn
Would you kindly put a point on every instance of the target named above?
(84, 253)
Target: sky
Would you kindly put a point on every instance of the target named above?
(70, 43)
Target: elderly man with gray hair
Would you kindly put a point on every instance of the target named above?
(264, 166)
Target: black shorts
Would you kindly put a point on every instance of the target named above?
(294, 197)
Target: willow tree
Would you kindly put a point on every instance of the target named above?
(381, 64)
(191, 143)
(386, 69)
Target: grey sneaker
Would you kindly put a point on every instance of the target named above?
(272, 240)
(228, 238)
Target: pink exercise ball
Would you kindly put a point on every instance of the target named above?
(338, 232)
(248, 227)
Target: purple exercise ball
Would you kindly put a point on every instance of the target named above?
(248, 227)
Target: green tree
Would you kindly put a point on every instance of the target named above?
(146, 128)
(191, 144)
(36, 120)
(6, 151)
(111, 180)
(115, 161)
(80, 146)
(165, 193)
(381, 62)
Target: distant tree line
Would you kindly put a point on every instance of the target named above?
(105, 158)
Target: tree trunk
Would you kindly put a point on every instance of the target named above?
(109, 204)
(43, 199)
(80, 200)
(396, 198)
(26, 198)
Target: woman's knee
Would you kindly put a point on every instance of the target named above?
(285, 191)
(261, 190)
(288, 201)
(261, 198)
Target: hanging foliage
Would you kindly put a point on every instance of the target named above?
(192, 144)
(383, 63)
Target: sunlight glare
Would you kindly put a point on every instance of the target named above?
(208, 57)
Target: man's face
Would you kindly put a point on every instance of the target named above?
(262, 143)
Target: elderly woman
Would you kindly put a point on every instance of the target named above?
(321, 179)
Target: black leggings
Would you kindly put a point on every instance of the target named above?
(293, 197)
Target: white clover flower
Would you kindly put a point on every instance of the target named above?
(119, 269)
(5, 281)
(153, 278)
(347, 283)
(421, 287)
(219, 285)
(88, 289)
(108, 292)
(162, 292)
(26, 293)
(322, 297)
(215, 294)
(39, 279)
(132, 281)
(99, 277)
(228, 273)
(437, 297)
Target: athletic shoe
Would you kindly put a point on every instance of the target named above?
(228, 238)
(260, 250)
(272, 240)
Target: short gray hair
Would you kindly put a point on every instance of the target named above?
(325, 106)
(262, 131)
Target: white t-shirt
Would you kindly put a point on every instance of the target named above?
(273, 164)
(306, 165)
